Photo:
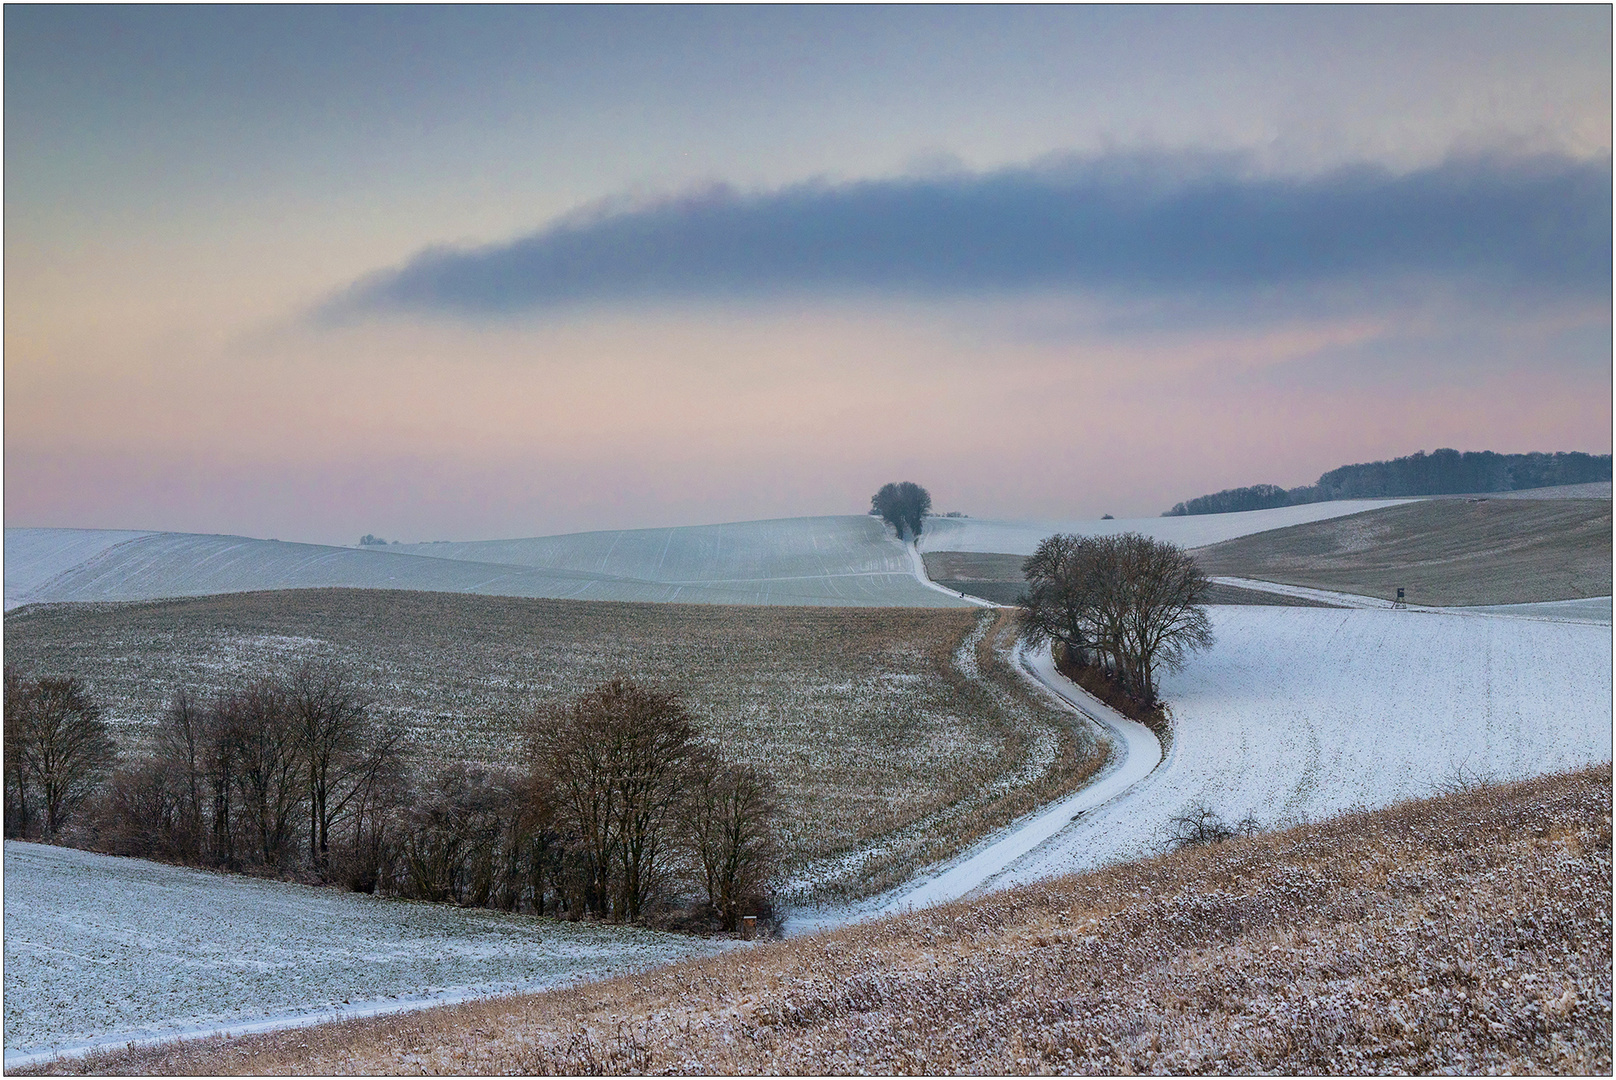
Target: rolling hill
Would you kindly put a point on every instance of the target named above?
(841, 561)
(1441, 551)
(836, 561)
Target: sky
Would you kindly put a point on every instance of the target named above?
(466, 273)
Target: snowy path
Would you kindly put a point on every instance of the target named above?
(1339, 599)
(1136, 753)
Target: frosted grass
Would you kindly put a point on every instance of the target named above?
(102, 948)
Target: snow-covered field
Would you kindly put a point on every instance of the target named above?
(826, 561)
(1302, 713)
(1195, 530)
(35, 556)
(816, 560)
(850, 560)
(103, 950)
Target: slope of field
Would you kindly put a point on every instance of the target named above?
(1466, 934)
(35, 556)
(1296, 714)
(162, 565)
(843, 561)
(896, 736)
(1442, 551)
(1023, 537)
(100, 949)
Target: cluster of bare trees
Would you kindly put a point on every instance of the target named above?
(638, 799)
(1126, 603)
(620, 809)
(57, 753)
(265, 774)
(622, 812)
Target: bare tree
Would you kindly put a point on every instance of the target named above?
(141, 812)
(903, 506)
(19, 808)
(181, 747)
(269, 767)
(576, 769)
(728, 816)
(451, 839)
(339, 744)
(222, 735)
(1064, 597)
(380, 792)
(57, 748)
(1076, 595)
(1200, 824)
(243, 766)
(1127, 602)
(1165, 615)
(614, 762)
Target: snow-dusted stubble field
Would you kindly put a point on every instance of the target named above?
(1298, 714)
(867, 720)
(99, 948)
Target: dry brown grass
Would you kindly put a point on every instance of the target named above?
(1443, 551)
(879, 742)
(1469, 933)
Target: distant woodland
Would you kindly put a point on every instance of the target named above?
(1442, 472)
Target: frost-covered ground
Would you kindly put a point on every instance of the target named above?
(35, 556)
(826, 561)
(1022, 537)
(1297, 714)
(850, 560)
(101, 949)
(1595, 609)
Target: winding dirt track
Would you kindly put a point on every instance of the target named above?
(1136, 755)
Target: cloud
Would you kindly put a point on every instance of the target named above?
(1163, 225)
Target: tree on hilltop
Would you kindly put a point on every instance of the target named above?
(902, 506)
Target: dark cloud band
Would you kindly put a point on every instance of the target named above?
(1152, 226)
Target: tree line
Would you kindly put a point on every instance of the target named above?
(1125, 604)
(620, 810)
(1442, 472)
